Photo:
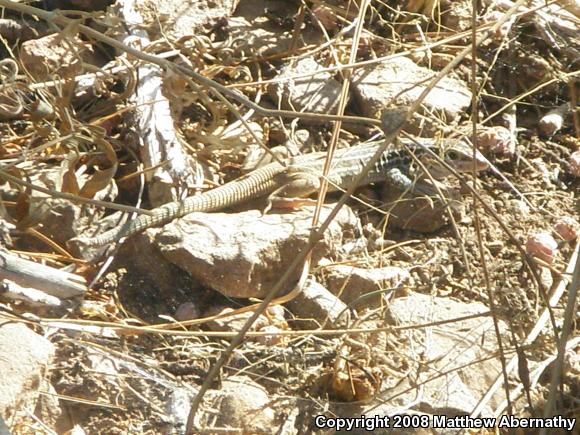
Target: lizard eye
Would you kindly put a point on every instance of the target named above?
(453, 155)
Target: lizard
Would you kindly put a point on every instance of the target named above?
(299, 177)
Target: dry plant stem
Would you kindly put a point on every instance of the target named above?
(31, 296)
(297, 26)
(57, 18)
(476, 219)
(109, 329)
(299, 260)
(152, 121)
(341, 106)
(464, 53)
(49, 242)
(31, 274)
(506, 230)
(535, 332)
(69, 196)
(226, 354)
(569, 316)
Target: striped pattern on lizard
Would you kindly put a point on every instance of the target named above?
(300, 177)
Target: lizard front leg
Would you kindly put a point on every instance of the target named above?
(401, 181)
(295, 187)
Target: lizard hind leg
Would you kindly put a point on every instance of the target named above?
(293, 193)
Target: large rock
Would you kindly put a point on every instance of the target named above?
(56, 54)
(183, 18)
(24, 357)
(364, 287)
(400, 82)
(244, 405)
(316, 93)
(244, 254)
(442, 369)
(464, 350)
(316, 307)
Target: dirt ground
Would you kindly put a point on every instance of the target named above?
(135, 383)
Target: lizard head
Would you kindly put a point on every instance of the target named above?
(459, 155)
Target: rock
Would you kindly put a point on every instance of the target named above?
(257, 39)
(76, 430)
(399, 82)
(327, 17)
(244, 254)
(542, 246)
(243, 404)
(462, 349)
(149, 285)
(234, 323)
(183, 18)
(258, 29)
(48, 407)
(56, 54)
(177, 406)
(566, 228)
(421, 213)
(364, 287)
(316, 93)
(458, 17)
(574, 164)
(553, 121)
(24, 359)
(187, 311)
(496, 140)
(315, 306)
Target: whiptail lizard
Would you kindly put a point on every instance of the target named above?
(301, 177)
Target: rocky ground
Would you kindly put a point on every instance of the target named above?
(415, 305)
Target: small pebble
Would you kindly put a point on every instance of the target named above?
(496, 140)
(187, 311)
(542, 246)
(553, 121)
(271, 340)
(566, 228)
(574, 164)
